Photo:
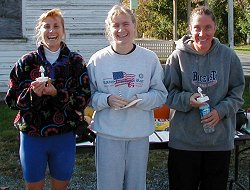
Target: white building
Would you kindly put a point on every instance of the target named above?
(84, 23)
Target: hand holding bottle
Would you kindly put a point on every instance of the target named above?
(211, 119)
(204, 110)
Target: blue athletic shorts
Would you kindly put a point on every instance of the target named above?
(58, 152)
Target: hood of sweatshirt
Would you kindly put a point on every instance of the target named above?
(219, 73)
(200, 68)
(184, 44)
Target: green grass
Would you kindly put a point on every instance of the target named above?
(8, 143)
(6, 122)
(246, 94)
(242, 49)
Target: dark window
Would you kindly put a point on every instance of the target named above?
(10, 19)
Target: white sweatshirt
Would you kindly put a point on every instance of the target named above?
(138, 73)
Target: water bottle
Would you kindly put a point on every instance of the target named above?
(204, 110)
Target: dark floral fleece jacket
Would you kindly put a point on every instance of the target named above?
(47, 115)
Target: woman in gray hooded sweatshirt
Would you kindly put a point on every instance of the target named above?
(198, 159)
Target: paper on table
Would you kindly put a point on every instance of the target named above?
(130, 104)
(238, 133)
(154, 138)
(159, 136)
(164, 135)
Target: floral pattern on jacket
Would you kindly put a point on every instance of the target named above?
(47, 115)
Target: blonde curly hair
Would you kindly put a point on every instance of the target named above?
(56, 12)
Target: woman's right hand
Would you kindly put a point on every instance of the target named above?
(38, 87)
(117, 101)
(193, 100)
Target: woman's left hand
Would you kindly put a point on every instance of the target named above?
(49, 89)
(211, 119)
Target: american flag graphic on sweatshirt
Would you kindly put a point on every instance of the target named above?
(122, 78)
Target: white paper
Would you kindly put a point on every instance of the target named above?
(87, 143)
(159, 136)
(164, 135)
(154, 138)
(130, 104)
(238, 133)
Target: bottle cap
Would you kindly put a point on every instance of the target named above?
(203, 99)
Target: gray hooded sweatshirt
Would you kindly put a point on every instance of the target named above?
(219, 73)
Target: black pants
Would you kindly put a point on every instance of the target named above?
(198, 170)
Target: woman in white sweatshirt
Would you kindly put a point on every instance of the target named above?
(120, 74)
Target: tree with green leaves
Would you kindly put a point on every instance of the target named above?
(155, 18)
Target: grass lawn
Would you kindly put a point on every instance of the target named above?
(242, 49)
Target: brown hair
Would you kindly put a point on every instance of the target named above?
(202, 10)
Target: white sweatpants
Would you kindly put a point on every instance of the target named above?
(121, 164)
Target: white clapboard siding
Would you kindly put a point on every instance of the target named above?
(84, 24)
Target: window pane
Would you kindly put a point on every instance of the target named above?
(11, 18)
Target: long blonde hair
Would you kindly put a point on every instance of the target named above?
(114, 11)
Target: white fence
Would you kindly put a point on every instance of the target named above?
(163, 48)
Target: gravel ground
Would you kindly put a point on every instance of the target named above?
(84, 177)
